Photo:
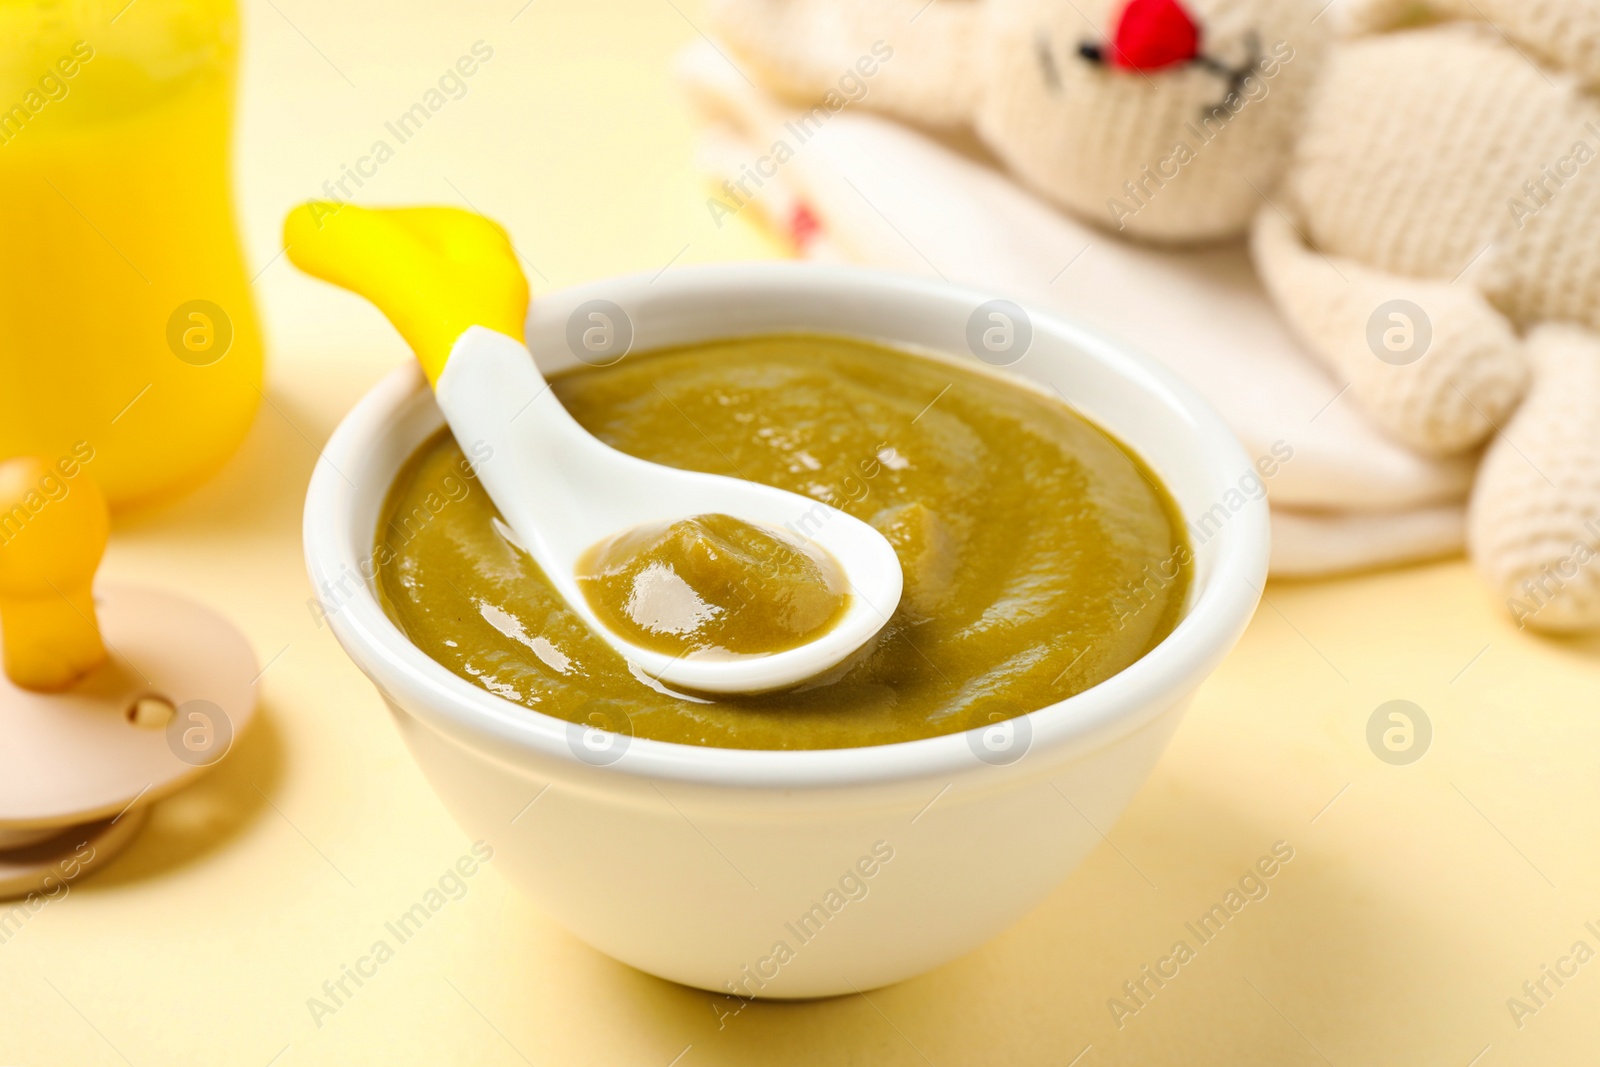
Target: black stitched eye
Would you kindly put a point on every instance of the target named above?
(1092, 52)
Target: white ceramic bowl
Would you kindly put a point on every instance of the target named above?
(798, 874)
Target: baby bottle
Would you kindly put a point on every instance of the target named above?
(128, 340)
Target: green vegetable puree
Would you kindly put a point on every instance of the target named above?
(713, 584)
(1040, 558)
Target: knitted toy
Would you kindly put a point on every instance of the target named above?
(1424, 220)
(1160, 120)
(1434, 243)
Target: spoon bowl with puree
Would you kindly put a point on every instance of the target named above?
(704, 582)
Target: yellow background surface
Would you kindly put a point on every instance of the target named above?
(1419, 899)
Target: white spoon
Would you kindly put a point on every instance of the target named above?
(437, 272)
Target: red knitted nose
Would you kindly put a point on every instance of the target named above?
(1152, 34)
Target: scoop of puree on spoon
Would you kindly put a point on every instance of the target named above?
(703, 581)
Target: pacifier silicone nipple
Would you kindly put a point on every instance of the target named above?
(52, 534)
(93, 729)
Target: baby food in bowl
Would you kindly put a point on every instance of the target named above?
(1075, 555)
(1040, 556)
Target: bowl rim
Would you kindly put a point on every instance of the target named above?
(1115, 707)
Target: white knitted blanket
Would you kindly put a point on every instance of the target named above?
(865, 189)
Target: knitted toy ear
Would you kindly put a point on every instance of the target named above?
(913, 58)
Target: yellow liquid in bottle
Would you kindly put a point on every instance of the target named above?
(125, 313)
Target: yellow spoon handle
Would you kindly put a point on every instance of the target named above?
(433, 271)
